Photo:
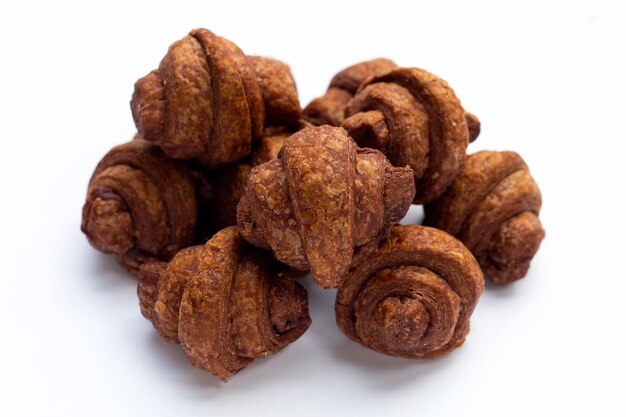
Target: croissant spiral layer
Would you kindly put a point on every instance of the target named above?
(413, 297)
(140, 206)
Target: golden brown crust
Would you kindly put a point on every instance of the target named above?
(140, 206)
(492, 207)
(320, 199)
(208, 101)
(172, 282)
(329, 108)
(226, 302)
(278, 89)
(415, 119)
(413, 297)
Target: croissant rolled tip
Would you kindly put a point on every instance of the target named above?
(514, 247)
(402, 323)
(108, 225)
(278, 89)
(312, 115)
(331, 274)
(502, 275)
(322, 281)
(326, 284)
(473, 126)
(288, 306)
(146, 106)
(147, 286)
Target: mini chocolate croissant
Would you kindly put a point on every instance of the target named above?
(415, 119)
(230, 182)
(493, 207)
(209, 101)
(322, 201)
(226, 302)
(141, 205)
(413, 297)
(329, 108)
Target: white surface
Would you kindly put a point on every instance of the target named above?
(547, 80)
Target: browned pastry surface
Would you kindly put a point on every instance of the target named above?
(140, 206)
(492, 207)
(415, 119)
(413, 297)
(230, 183)
(226, 302)
(322, 198)
(209, 101)
(329, 108)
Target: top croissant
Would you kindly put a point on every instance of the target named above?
(208, 101)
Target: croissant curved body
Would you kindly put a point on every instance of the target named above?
(209, 101)
(226, 302)
(323, 201)
(493, 207)
(140, 206)
(415, 119)
(413, 297)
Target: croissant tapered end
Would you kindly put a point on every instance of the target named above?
(350, 79)
(247, 226)
(473, 126)
(288, 306)
(279, 92)
(322, 199)
(329, 108)
(148, 106)
(226, 302)
(399, 192)
(415, 119)
(108, 224)
(513, 246)
(493, 207)
(140, 205)
(148, 287)
(160, 289)
(413, 297)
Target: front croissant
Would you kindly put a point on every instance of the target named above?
(140, 205)
(415, 119)
(493, 207)
(322, 201)
(226, 302)
(209, 101)
(412, 298)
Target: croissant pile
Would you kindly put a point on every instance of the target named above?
(230, 193)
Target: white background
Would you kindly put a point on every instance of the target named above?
(546, 79)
